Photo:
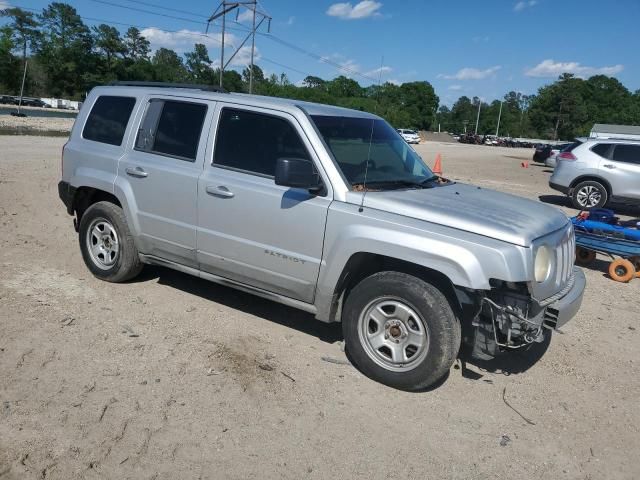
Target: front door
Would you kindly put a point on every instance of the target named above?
(250, 229)
(162, 171)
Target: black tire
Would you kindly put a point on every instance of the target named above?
(581, 188)
(126, 263)
(437, 316)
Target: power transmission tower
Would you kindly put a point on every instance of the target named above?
(221, 11)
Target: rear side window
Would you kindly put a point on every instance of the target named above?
(108, 119)
(172, 128)
(627, 154)
(602, 149)
(253, 142)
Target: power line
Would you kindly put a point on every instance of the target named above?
(315, 56)
(195, 34)
(155, 5)
(105, 2)
(320, 58)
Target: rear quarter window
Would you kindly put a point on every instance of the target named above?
(108, 119)
(602, 149)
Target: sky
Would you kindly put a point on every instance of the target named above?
(463, 47)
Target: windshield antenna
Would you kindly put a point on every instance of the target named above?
(373, 122)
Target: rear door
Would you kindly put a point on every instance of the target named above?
(251, 230)
(161, 169)
(623, 170)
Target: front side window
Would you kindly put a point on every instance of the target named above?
(253, 142)
(372, 148)
(108, 119)
(627, 153)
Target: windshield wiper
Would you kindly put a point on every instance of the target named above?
(398, 182)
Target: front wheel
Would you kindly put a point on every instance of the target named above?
(106, 243)
(400, 330)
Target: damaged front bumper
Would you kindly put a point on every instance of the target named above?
(510, 319)
(560, 311)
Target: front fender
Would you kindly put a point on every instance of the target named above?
(466, 259)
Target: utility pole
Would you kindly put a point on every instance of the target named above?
(24, 77)
(221, 11)
(224, 11)
(499, 116)
(253, 46)
(555, 130)
(478, 117)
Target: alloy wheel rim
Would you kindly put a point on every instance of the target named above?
(588, 196)
(393, 335)
(102, 243)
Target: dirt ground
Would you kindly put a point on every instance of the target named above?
(173, 377)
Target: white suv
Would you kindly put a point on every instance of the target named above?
(599, 171)
(410, 136)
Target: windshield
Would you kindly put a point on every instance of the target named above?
(387, 159)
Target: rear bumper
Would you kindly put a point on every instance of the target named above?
(67, 193)
(564, 309)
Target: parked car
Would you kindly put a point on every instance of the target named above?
(410, 136)
(551, 161)
(327, 210)
(599, 171)
(541, 153)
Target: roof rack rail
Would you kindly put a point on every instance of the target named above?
(192, 86)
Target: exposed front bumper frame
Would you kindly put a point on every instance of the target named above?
(564, 309)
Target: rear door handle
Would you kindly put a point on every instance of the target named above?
(136, 172)
(219, 191)
(608, 165)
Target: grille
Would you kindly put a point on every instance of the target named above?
(565, 254)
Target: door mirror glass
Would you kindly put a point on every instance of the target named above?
(297, 173)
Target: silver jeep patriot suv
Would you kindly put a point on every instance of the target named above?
(323, 209)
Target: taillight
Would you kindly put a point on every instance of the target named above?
(567, 156)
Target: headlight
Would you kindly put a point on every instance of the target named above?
(542, 264)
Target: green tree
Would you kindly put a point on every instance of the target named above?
(107, 41)
(65, 50)
(199, 65)
(344, 87)
(168, 66)
(9, 64)
(23, 27)
(314, 82)
(136, 46)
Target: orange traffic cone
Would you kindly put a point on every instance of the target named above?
(524, 164)
(437, 168)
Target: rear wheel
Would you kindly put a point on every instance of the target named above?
(400, 330)
(107, 245)
(636, 263)
(584, 257)
(589, 194)
(621, 270)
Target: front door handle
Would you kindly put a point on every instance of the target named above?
(219, 191)
(608, 165)
(136, 172)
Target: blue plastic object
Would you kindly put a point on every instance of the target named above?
(606, 229)
(603, 215)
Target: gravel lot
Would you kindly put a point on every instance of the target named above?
(173, 377)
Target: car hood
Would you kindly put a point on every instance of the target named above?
(473, 209)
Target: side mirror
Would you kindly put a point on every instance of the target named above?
(297, 173)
